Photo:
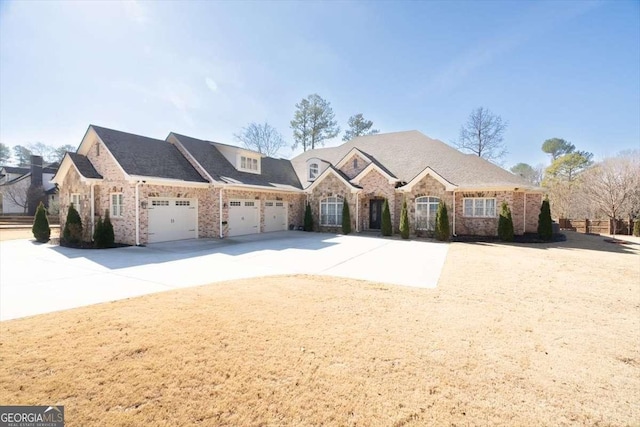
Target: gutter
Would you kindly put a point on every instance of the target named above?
(93, 212)
(220, 216)
(524, 226)
(454, 214)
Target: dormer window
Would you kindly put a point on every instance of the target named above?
(313, 171)
(249, 164)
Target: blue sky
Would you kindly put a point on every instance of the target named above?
(206, 69)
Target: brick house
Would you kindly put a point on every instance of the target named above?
(183, 187)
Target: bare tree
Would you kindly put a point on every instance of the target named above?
(17, 193)
(610, 186)
(483, 135)
(262, 138)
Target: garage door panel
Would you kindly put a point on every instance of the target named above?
(275, 216)
(244, 217)
(172, 219)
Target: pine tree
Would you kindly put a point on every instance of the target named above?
(505, 223)
(346, 218)
(40, 229)
(442, 222)
(308, 218)
(386, 227)
(404, 220)
(107, 231)
(72, 233)
(545, 230)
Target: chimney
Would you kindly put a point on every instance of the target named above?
(33, 197)
(36, 171)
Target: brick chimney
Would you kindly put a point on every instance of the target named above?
(33, 198)
(36, 171)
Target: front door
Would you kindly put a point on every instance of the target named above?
(375, 214)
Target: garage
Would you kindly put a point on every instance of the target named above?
(275, 216)
(244, 217)
(172, 219)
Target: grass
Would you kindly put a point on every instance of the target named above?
(513, 335)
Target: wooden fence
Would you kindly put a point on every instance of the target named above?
(596, 226)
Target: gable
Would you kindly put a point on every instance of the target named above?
(332, 175)
(355, 163)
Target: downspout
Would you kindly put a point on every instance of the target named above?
(138, 213)
(357, 216)
(93, 211)
(220, 215)
(524, 226)
(454, 214)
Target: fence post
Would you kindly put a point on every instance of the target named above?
(586, 226)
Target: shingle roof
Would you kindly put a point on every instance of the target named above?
(84, 166)
(139, 155)
(406, 154)
(274, 172)
(16, 170)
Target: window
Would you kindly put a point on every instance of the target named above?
(331, 211)
(248, 163)
(235, 203)
(116, 204)
(313, 171)
(159, 203)
(426, 209)
(480, 207)
(355, 163)
(183, 203)
(75, 200)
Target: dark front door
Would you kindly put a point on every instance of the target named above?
(375, 214)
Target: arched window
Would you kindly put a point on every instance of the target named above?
(331, 211)
(426, 209)
(313, 171)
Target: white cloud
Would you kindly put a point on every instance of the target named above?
(211, 84)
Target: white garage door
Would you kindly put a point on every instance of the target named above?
(244, 217)
(172, 219)
(275, 215)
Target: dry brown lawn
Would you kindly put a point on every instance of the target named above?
(513, 335)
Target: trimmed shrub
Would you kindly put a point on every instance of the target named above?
(505, 224)
(107, 231)
(346, 218)
(386, 227)
(442, 222)
(40, 229)
(545, 228)
(72, 233)
(404, 220)
(636, 227)
(308, 218)
(98, 234)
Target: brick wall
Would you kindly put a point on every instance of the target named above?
(426, 187)
(375, 186)
(350, 169)
(331, 186)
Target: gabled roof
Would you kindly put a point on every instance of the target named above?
(142, 156)
(15, 170)
(407, 154)
(84, 166)
(330, 170)
(274, 172)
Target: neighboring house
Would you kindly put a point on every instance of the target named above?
(183, 187)
(16, 181)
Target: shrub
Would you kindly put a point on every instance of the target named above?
(636, 227)
(98, 234)
(107, 231)
(40, 229)
(545, 229)
(72, 233)
(505, 224)
(386, 227)
(346, 218)
(308, 218)
(442, 222)
(404, 220)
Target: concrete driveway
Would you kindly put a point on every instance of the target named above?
(40, 278)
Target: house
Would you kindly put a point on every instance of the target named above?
(15, 183)
(183, 187)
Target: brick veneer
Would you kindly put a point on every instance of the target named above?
(329, 187)
(375, 186)
(349, 169)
